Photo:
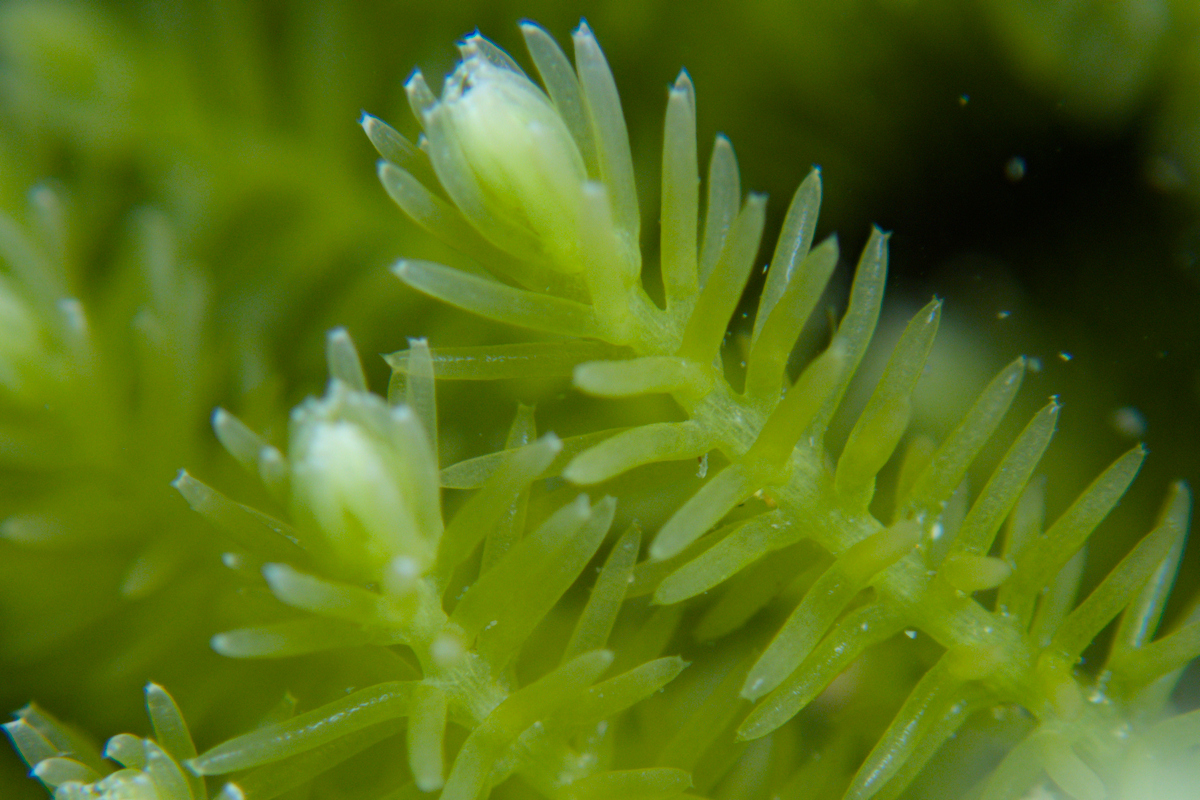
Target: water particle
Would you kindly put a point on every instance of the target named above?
(1129, 422)
(910, 633)
(1003, 314)
(1064, 355)
(1035, 364)
(936, 531)
(1014, 169)
(963, 99)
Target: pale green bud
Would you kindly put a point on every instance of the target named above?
(507, 158)
(354, 466)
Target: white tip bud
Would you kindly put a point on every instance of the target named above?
(354, 484)
(506, 156)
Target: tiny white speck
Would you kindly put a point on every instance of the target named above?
(1064, 355)
(1128, 422)
(936, 531)
(910, 633)
(1003, 314)
(1035, 364)
(1014, 169)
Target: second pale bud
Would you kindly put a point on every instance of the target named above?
(361, 477)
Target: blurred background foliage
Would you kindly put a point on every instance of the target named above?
(1038, 161)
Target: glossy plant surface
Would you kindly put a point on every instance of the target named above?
(691, 589)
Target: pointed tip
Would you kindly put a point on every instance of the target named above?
(467, 41)
(659, 551)
(365, 119)
(395, 360)
(219, 417)
(180, 478)
(572, 475)
(429, 784)
(400, 269)
(338, 334)
(230, 791)
(932, 311)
